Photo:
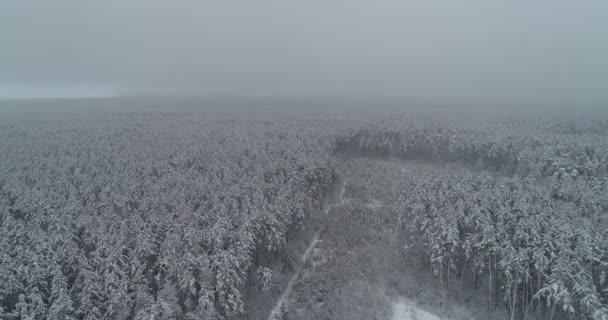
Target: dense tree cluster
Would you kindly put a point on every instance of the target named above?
(506, 229)
(149, 215)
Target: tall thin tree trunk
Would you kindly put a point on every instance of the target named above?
(462, 283)
(538, 305)
(449, 285)
(441, 285)
(490, 286)
(514, 302)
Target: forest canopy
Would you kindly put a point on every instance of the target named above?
(165, 215)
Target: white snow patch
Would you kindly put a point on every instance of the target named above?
(342, 190)
(339, 201)
(404, 309)
(375, 204)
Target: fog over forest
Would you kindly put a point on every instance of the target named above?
(491, 50)
(303, 160)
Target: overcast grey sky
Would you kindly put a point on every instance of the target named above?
(554, 49)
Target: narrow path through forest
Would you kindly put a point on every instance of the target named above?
(276, 310)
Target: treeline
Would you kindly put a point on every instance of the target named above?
(500, 149)
(149, 216)
(597, 127)
(573, 167)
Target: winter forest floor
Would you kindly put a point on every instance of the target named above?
(358, 267)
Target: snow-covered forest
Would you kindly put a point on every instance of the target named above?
(203, 214)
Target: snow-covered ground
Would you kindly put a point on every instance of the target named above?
(404, 309)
